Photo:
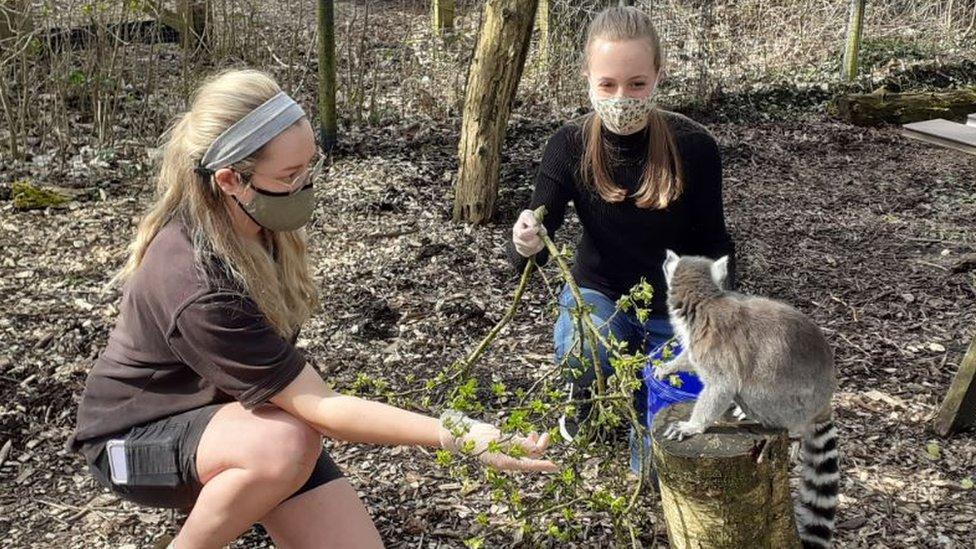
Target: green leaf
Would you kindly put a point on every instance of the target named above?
(933, 450)
(499, 389)
(967, 483)
(675, 381)
(76, 78)
(444, 458)
(568, 476)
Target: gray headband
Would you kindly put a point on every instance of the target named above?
(251, 132)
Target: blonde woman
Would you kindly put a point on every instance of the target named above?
(200, 399)
(642, 180)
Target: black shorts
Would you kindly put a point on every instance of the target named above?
(161, 461)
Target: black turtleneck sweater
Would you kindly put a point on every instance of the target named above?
(622, 243)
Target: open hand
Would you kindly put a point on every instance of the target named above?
(459, 431)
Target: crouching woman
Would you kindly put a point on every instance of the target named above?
(200, 399)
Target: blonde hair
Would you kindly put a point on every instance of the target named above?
(279, 283)
(663, 178)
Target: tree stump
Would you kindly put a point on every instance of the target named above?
(726, 488)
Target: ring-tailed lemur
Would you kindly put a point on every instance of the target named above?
(767, 358)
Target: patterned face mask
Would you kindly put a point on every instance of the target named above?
(623, 115)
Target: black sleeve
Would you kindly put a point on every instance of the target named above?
(709, 235)
(226, 340)
(553, 189)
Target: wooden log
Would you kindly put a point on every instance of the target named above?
(493, 78)
(126, 32)
(726, 488)
(958, 410)
(881, 107)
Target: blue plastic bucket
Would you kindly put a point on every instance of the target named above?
(661, 394)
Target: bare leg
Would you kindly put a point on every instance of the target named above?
(713, 401)
(248, 461)
(330, 515)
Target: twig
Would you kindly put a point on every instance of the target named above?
(392, 234)
(464, 365)
(578, 296)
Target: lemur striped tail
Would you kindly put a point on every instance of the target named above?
(818, 489)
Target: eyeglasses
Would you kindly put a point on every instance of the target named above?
(297, 182)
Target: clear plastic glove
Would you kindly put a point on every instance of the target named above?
(459, 431)
(526, 234)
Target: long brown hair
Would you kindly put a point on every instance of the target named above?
(279, 285)
(663, 178)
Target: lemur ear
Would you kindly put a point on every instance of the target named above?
(720, 270)
(670, 263)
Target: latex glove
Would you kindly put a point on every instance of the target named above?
(526, 234)
(458, 430)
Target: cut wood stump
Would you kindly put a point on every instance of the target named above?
(883, 107)
(726, 488)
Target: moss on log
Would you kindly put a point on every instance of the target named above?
(881, 107)
(727, 488)
(26, 196)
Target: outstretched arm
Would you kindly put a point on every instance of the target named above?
(354, 419)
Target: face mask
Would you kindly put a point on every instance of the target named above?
(623, 115)
(280, 211)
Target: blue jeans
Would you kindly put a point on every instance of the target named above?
(640, 336)
(625, 326)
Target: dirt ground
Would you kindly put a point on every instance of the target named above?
(860, 228)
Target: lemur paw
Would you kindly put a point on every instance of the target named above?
(663, 371)
(738, 413)
(679, 430)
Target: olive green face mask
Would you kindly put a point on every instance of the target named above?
(286, 211)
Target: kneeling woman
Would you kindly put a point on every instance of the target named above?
(200, 399)
(642, 180)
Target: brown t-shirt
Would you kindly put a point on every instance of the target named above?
(182, 340)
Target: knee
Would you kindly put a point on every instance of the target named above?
(287, 449)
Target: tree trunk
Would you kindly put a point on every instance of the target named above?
(492, 82)
(328, 127)
(542, 23)
(443, 15)
(727, 488)
(880, 107)
(853, 47)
